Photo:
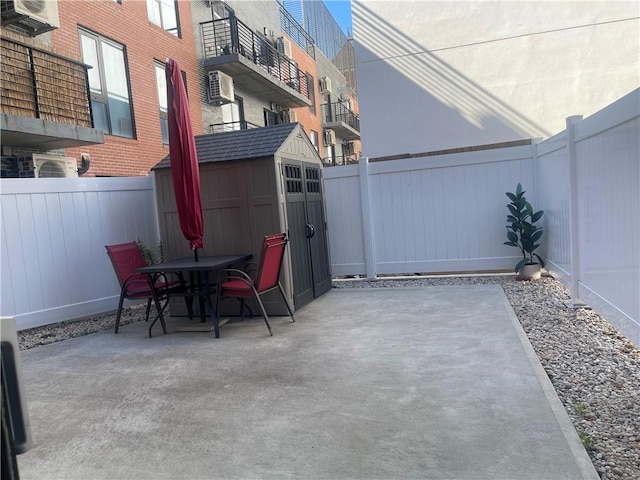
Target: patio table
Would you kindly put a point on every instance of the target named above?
(205, 285)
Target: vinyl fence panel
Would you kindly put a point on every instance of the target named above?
(553, 196)
(54, 265)
(609, 222)
(442, 213)
(344, 215)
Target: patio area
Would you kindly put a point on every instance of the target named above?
(430, 382)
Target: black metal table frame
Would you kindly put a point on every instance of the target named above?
(204, 288)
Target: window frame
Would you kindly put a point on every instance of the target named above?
(160, 3)
(315, 140)
(311, 92)
(164, 118)
(103, 96)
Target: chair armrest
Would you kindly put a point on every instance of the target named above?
(234, 273)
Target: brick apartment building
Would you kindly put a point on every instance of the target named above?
(126, 43)
(133, 138)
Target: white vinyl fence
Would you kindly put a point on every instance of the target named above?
(589, 187)
(432, 214)
(54, 264)
(447, 213)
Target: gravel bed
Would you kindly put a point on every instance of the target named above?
(594, 369)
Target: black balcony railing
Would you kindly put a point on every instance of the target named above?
(339, 112)
(41, 84)
(231, 126)
(227, 36)
(340, 160)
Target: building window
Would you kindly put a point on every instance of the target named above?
(314, 140)
(311, 93)
(233, 115)
(164, 13)
(161, 83)
(271, 118)
(109, 84)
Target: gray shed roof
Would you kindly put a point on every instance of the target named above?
(239, 144)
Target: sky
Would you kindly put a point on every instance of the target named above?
(341, 11)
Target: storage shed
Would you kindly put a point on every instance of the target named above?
(256, 182)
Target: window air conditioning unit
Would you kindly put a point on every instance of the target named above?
(325, 85)
(284, 46)
(54, 166)
(220, 88)
(31, 16)
(329, 137)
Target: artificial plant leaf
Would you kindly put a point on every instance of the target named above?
(536, 235)
(512, 237)
(521, 264)
(511, 244)
(514, 211)
(536, 216)
(539, 259)
(519, 189)
(512, 197)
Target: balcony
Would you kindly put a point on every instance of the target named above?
(338, 117)
(45, 101)
(254, 62)
(231, 126)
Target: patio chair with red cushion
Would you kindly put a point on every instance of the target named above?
(126, 259)
(237, 283)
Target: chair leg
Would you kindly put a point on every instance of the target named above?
(160, 309)
(188, 298)
(119, 312)
(241, 309)
(286, 302)
(218, 289)
(189, 302)
(148, 310)
(264, 312)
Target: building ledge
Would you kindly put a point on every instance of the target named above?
(343, 130)
(40, 134)
(257, 79)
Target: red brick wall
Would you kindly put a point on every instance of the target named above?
(308, 120)
(128, 24)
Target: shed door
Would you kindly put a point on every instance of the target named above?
(307, 232)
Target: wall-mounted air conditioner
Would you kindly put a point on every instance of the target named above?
(220, 88)
(325, 85)
(54, 166)
(329, 137)
(284, 46)
(33, 17)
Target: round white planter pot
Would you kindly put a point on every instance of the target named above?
(530, 272)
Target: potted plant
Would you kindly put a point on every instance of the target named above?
(523, 233)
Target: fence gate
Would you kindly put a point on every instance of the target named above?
(307, 231)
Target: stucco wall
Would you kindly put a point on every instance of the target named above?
(437, 75)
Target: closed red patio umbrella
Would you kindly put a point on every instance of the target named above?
(184, 158)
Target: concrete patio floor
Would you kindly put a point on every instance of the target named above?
(430, 382)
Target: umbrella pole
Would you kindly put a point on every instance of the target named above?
(195, 254)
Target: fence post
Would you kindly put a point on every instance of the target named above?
(367, 221)
(156, 218)
(573, 209)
